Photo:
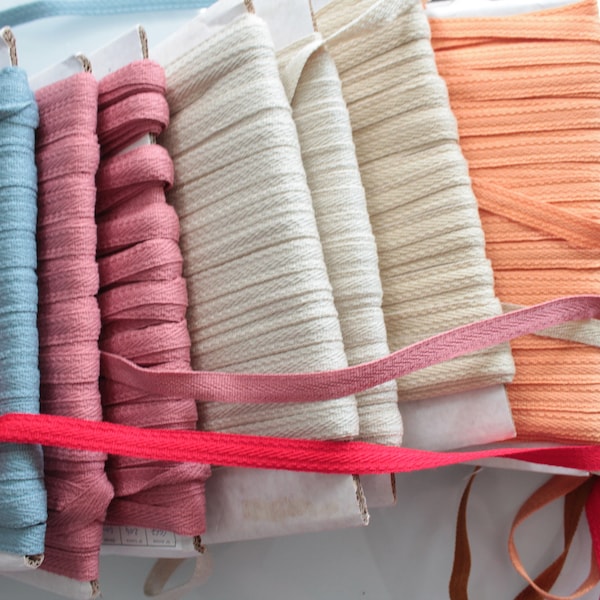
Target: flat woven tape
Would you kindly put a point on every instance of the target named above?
(329, 157)
(524, 89)
(260, 298)
(432, 260)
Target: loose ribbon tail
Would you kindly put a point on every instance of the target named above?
(592, 512)
(42, 9)
(574, 505)
(575, 490)
(461, 567)
(326, 385)
(577, 496)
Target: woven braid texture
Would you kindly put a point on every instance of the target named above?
(314, 88)
(431, 249)
(310, 455)
(524, 89)
(260, 297)
(143, 298)
(22, 493)
(68, 154)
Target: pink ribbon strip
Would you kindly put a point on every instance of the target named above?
(309, 387)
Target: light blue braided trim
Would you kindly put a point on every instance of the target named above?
(91, 8)
(23, 510)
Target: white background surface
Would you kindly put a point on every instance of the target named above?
(406, 552)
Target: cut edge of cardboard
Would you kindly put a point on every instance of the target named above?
(70, 66)
(148, 543)
(379, 490)
(127, 48)
(18, 562)
(8, 48)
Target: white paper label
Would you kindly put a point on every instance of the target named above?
(138, 536)
(139, 541)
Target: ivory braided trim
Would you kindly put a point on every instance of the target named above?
(423, 212)
(313, 87)
(259, 294)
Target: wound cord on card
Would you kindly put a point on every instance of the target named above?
(431, 251)
(143, 299)
(529, 121)
(22, 493)
(67, 155)
(260, 298)
(313, 86)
